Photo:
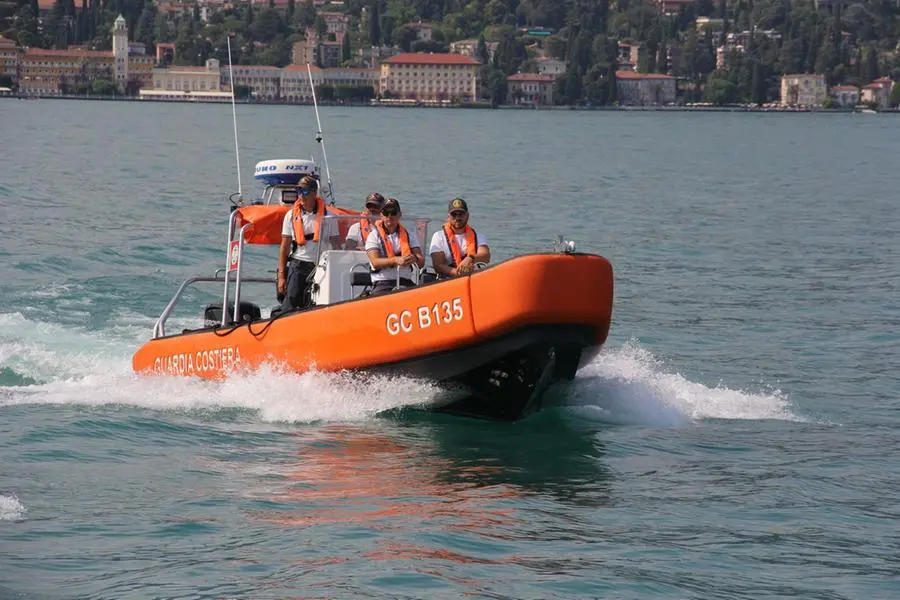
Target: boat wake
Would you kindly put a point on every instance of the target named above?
(45, 363)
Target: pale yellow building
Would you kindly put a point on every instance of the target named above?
(803, 90)
(430, 77)
(265, 81)
(530, 88)
(9, 58)
(189, 79)
(50, 72)
(43, 72)
(295, 87)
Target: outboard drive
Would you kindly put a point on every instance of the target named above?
(212, 314)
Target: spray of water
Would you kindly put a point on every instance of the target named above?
(45, 363)
(11, 509)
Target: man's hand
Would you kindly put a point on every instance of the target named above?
(402, 261)
(466, 265)
(282, 283)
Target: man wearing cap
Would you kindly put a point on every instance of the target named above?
(300, 233)
(359, 232)
(392, 251)
(456, 247)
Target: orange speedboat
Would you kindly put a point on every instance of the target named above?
(503, 333)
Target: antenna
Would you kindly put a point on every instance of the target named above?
(234, 119)
(319, 137)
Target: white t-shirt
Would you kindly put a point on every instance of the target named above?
(353, 234)
(373, 242)
(307, 252)
(439, 243)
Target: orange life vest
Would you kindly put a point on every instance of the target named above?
(471, 243)
(365, 228)
(386, 247)
(297, 221)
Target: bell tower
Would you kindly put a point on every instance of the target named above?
(120, 53)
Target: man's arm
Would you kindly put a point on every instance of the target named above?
(380, 262)
(439, 261)
(420, 258)
(283, 252)
(483, 254)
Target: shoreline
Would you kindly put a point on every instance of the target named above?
(480, 105)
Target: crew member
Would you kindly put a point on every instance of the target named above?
(301, 230)
(359, 232)
(391, 248)
(456, 247)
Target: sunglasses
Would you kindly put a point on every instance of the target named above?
(373, 206)
(304, 191)
(458, 213)
(390, 213)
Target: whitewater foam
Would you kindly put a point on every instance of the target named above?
(628, 385)
(11, 509)
(624, 385)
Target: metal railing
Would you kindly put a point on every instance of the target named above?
(159, 329)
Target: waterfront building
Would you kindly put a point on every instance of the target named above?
(264, 81)
(43, 72)
(530, 88)
(804, 89)
(644, 89)
(878, 93)
(430, 77)
(9, 58)
(845, 96)
(189, 79)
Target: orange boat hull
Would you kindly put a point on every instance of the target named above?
(524, 309)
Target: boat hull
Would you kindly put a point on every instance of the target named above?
(533, 318)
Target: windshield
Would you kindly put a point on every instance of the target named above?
(342, 232)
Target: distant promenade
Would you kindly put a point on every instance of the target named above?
(470, 105)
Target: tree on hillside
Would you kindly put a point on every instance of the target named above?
(345, 48)
(374, 24)
(870, 67)
(321, 27)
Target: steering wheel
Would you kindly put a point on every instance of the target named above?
(480, 265)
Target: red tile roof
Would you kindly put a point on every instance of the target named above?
(538, 77)
(633, 75)
(33, 52)
(293, 68)
(422, 58)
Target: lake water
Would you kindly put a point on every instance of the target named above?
(738, 437)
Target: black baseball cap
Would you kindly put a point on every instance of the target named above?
(374, 199)
(390, 205)
(458, 204)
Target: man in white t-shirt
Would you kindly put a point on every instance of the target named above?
(301, 230)
(391, 248)
(456, 247)
(359, 231)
